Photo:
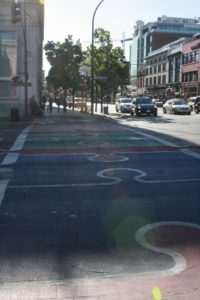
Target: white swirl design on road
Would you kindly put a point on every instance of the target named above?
(109, 174)
(142, 174)
(111, 157)
(180, 262)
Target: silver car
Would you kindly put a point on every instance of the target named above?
(177, 106)
(123, 105)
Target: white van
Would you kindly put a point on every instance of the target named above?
(192, 100)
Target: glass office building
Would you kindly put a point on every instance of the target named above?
(151, 36)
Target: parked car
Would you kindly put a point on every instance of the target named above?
(158, 102)
(197, 105)
(123, 105)
(143, 106)
(177, 106)
(192, 101)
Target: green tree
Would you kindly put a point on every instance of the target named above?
(108, 62)
(65, 59)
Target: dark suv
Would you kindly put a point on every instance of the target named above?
(143, 106)
(197, 105)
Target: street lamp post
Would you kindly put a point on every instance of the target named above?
(25, 64)
(92, 60)
(17, 17)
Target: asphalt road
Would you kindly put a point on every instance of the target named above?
(86, 201)
(182, 127)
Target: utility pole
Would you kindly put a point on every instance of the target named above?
(16, 16)
(25, 64)
(92, 60)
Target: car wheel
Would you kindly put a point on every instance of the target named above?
(137, 113)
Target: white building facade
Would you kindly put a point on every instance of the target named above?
(20, 70)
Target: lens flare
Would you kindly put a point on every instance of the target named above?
(156, 292)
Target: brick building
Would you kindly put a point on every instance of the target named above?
(191, 67)
(152, 36)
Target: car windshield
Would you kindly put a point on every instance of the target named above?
(179, 102)
(144, 101)
(126, 101)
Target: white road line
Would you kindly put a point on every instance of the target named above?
(3, 187)
(11, 158)
(17, 146)
(190, 152)
(160, 140)
(167, 143)
(19, 143)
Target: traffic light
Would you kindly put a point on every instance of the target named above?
(15, 12)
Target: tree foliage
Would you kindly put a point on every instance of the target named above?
(109, 63)
(66, 59)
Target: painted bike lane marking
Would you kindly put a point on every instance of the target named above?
(11, 158)
(180, 280)
(170, 144)
(108, 174)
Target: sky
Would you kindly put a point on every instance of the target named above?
(74, 17)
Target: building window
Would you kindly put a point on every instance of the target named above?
(147, 81)
(197, 55)
(155, 69)
(159, 68)
(191, 57)
(150, 70)
(170, 76)
(190, 76)
(177, 75)
(164, 79)
(151, 81)
(159, 79)
(164, 67)
(154, 80)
